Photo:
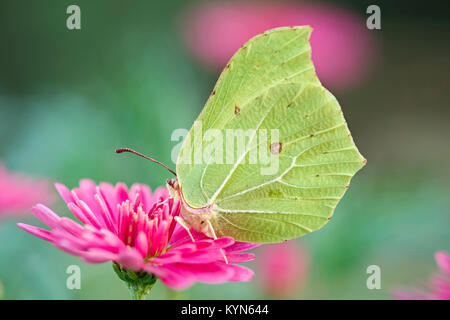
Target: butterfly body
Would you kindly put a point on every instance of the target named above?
(198, 219)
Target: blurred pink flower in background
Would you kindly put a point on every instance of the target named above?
(136, 229)
(282, 269)
(439, 286)
(18, 192)
(342, 46)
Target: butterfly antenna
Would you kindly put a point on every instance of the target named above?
(121, 150)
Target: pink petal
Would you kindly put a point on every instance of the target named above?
(108, 192)
(105, 211)
(238, 257)
(131, 259)
(46, 215)
(223, 242)
(64, 192)
(78, 213)
(121, 193)
(443, 261)
(241, 274)
(89, 214)
(209, 273)
(98, 256)
(142, 244)
(35, 231)
(70, 226)
(242, 246)
(170, 278)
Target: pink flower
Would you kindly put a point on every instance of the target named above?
(342, 46)
(282, 269)
(19, 192)
(136, 230)
(439, 286)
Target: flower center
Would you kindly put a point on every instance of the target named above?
(148, 231)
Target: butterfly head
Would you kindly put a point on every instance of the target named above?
(174, 188)
(196, 218)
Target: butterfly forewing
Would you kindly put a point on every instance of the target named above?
(269, 84)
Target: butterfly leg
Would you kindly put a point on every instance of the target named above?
(215, 238)
(183, 223)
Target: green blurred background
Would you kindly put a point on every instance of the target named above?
(69, 98)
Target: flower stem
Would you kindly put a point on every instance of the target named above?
(139, 291)
(140, 283)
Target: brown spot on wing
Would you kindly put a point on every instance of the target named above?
(276, 147)
(237, 110)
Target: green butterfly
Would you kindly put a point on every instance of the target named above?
(268, 85)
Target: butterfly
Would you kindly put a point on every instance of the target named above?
(268, 88)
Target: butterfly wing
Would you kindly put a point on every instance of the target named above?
(270, 83)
